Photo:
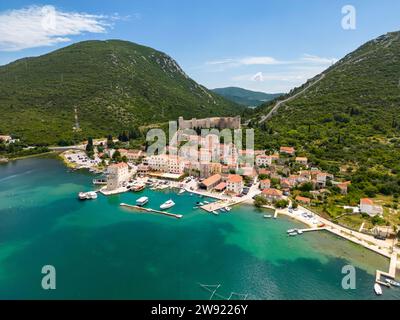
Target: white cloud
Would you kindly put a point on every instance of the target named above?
(273, 74)
(269, 61)
(38, 26)
(259, 77)
(247, 61)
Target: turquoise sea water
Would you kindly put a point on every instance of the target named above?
(103, 251)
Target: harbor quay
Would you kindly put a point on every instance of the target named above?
(231, 177)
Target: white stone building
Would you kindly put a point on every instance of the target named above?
(367, 206)
(263, 160)
(176, 165)
(166, 164)
(234, 184)
(159, 163)
(117, 175)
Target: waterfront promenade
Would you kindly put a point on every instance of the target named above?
(384, 248)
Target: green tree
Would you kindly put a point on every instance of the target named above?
(260, 201)
(89, 146)
(110, 142)
(281, 203)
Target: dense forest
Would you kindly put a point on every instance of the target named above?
(109, 85)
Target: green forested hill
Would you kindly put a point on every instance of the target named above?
(350, 119)
(356, 103)
(114, 84)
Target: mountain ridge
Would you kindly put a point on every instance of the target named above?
(246, 97)
(351, 116)
(114, 85)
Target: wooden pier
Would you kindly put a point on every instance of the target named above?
(172, 215)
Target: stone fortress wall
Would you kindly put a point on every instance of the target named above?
(209, 123)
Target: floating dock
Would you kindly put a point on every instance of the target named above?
(172, 215)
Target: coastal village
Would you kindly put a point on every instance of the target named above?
(283, 180)
(280, 179)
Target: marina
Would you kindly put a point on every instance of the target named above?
(143, 248)
(157, 151)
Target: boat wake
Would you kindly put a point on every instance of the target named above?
(16, 175)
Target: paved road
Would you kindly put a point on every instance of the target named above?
(279, 103)
(81, 147)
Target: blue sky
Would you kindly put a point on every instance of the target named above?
(265, 45)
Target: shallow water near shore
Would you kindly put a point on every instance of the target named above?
(103, 251)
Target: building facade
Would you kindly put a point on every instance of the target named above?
(367, 206)
(209, 123)
(234, 184)
(263, 161)
(117, 175)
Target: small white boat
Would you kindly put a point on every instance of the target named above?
(215, 213)
(222, 210)
(100, 181)
(393, 283)
(82, 195)
(293, 234)
(291, 230)
(87, 195)
(299, 232)
(166, 205)
(206, 202)
(142, 201)
(267, 216)
(201, 204)
(182, 191)
(91, 195)
(378, 289)
(228, 209)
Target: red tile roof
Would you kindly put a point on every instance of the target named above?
(234, 178)
(119, 165)
(287, 149)
(272, 192)
(221, 186)
(303, 199)
(264, 171)
(212, 180)
(367, 201)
